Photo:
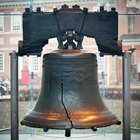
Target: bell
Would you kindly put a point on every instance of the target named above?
(69, 95)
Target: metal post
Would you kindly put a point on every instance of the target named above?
(14, 96)
(31, 94)
(126, 96)
(31, 89)
(102, 2)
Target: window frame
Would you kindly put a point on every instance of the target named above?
(12, 21)
(2, 17)
(131, 23)
(32, 63)
(2, 70)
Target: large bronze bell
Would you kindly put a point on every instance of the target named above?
(69, 95)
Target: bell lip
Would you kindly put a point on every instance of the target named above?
(59, 124)
(75, 126)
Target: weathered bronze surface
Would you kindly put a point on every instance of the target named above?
(69, 95)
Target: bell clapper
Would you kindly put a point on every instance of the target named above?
(67, 132)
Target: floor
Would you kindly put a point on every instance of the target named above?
(73, 137)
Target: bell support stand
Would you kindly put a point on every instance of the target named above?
(14, 97)
(30, 47)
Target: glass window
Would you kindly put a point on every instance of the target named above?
(33, 64)
(1, 22)
(133, 58)
(131, 23)
(1, 62)
(16, 21)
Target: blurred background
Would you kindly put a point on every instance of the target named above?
(109, 67)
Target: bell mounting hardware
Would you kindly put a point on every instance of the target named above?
(70, 25)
